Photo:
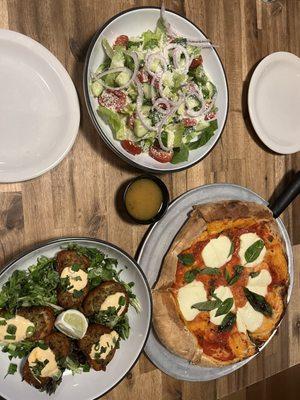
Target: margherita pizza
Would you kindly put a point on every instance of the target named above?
(223, 284)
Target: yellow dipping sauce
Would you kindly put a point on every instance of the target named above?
(143, 199)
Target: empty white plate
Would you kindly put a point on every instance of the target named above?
(274, 102)
(39, 108)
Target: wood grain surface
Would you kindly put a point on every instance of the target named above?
(79, 197)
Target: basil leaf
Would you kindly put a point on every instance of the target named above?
(225, 307)
(186, 259)
(238, 269)
(228, 322)
(227, 276)
(254, 274)
(181, 154)
(209, 271)
(231, 249)
(258, 302)
(207, 305)
(253, 252)
(190, 275)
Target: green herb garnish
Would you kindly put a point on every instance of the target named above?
(208, 305)
(186, 259)
(225, 307)
(12, 369)
(11, 329)
(238, 269)
(258, 302)
(254, 274)
(75, 267)
(253, 252)
(228, 322)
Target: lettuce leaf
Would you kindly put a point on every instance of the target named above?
(111, 118)
(151, 39)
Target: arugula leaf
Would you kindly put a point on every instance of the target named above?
(225, 307)
(181, 154)
(253, 252)
(36, 286)
(258, 302)
(12, 369)
(228, 322)
(186, 259)
(207, 305)
(75, 267)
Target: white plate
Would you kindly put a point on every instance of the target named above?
(274, 102)
(93, 384)
(152, 252)
(125, 24)
(39, 109)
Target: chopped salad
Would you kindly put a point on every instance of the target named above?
(155, 95)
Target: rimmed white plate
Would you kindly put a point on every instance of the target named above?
(125, 23)
(39, 108)
(91, 385)
(152, 252)
(274, 102)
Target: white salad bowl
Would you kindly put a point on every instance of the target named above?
(125, 23)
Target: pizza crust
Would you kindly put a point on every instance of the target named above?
(171, 329)
(167, 320)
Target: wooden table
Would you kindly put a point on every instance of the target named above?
(77, 198)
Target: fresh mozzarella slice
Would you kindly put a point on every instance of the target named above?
(247, 240)
(217, 252)
(259, 284)
(189, 295)
(249, 318)
(223, 293)
(241, 326)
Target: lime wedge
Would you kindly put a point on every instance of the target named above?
(72, 323)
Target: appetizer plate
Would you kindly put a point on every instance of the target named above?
(150, 257)
(125, 24)
(39, 108)
(93, 384)
(273, 100)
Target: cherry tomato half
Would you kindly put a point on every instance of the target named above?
(131, 147)
(113, 99)
(122, 41)
(189, 122)
(160, 155)
(196, 62)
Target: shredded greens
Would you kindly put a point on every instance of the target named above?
(35, 286)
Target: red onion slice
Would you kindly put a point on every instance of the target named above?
(178, 51)
(120, 69)
(155, 56)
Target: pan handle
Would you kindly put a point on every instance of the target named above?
(286, 197)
